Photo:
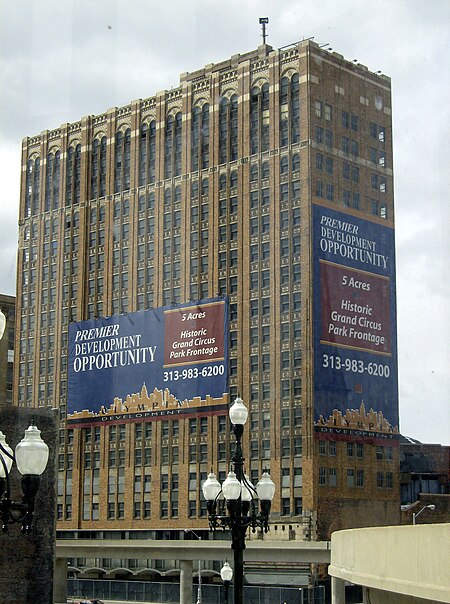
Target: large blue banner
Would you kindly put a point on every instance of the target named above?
(355, 345)
(149, 364)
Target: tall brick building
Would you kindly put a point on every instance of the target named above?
(217, 187)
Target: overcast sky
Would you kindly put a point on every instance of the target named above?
(62, 60)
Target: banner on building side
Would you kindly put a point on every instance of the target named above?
(148, 365)
(355, 346)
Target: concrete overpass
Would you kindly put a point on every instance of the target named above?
(186, 551)
(393, 564)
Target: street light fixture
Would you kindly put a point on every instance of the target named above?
(199, 589)
(31, 456)
(239, 493)
(431, 507)
(226, 572)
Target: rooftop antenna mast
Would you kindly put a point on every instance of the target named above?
(264, 21)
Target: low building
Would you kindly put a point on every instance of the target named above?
(7, 307)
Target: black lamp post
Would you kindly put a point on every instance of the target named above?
(31, 456)
(240, 495)
(226, 572)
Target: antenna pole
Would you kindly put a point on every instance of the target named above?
(263, 22)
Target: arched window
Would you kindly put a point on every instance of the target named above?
(222, 182)
(259, 119)
(233, 179)
(265, 170)
(52, 179)
(177, 193)
(284, 165)
(295, 113)
(73, 175)
(289, 111)
(228, 129)
(200, 138)
(254, 172)
(194, 189)
(295, 162)
(172, 146)
(205, 186)
(147, 153)
(122, 161)
(168, 197)
(98, 168)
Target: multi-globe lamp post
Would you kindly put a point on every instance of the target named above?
(31, 456)
(240, 496)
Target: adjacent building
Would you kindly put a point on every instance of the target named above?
(424, 468)
(265, 180)
(7, 308)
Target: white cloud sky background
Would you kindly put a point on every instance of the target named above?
(60, 61)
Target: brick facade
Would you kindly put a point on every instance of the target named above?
(141, 207)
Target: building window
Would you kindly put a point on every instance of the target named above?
(164, 509)
(172, 146)
(200, 138)
(73, 175)
(322, 476)
(345, 119)
(259, 119)
(389, 480)
(350, 478)
(318, 108)
(228, 132)
(380, 479)
(359, 478)
(289, 111)
(122, 161)
(147, 153)
(319, 188)
(332, 477)
(52, 181)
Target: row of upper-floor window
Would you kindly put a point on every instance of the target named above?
(259, 141)
(122, 162)
(348, 146)
(349, 120)
(352, 199)
(290, 417)
(197, 452)
(358, 449)
(122, 208)
(353, 477)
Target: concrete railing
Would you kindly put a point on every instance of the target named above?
(394, 564)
